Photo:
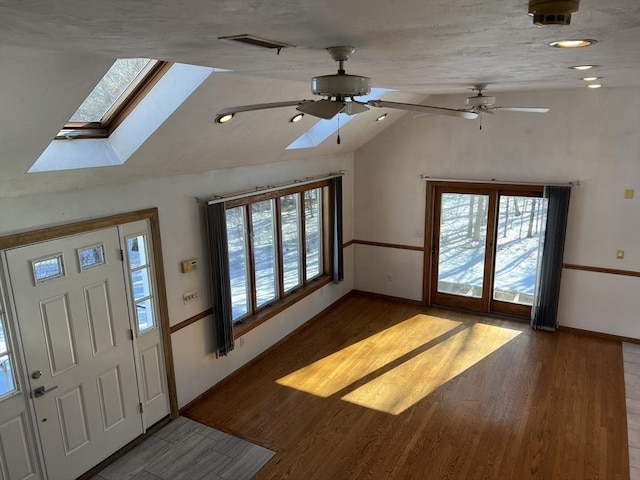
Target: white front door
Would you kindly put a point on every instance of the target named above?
(71, 305)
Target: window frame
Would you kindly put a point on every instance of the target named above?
(257, 315)
(130, 98)
(8, 352)
(152, 294)
(485, 304)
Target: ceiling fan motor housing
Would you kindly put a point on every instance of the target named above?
(552, 12)
(341, 85)
(480, 101)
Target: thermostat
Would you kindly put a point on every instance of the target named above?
(188, 265)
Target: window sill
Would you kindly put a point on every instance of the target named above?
(262, 316)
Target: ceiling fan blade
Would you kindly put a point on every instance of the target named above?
(423, 109)
(523, 109)
(326, 109)
(261, 106)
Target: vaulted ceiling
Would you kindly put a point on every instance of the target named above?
(52, 54)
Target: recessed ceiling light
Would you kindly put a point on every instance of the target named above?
(296, 118)
(585, 42)
(594, 85)
(583, 67)
(224, 118)
(590, 79)
(381, 117)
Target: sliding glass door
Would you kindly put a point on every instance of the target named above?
(484, 247)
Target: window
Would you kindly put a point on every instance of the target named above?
(47, 268)
(7, 379)
(107, 105)
(140, 275)
(90, 257)
(275, 245)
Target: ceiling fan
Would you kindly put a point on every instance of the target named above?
(341, 90)
(481, 103)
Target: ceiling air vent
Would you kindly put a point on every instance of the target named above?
(256, 41)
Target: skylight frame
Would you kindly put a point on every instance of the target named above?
(116, 114)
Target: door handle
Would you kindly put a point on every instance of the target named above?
(40, 391)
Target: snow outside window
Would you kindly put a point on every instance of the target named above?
(7, 379)
(138, 256)
(274, 247)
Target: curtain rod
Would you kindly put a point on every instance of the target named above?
(273, 188)
(427, 178)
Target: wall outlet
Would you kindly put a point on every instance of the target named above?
(620, 254)
(628, 193)
(190, 296)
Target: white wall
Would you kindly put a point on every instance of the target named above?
(183, 237)
(590, 135)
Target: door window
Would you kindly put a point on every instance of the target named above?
(520, 221)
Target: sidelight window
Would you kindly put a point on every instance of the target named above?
(139, 263)
(7, 378)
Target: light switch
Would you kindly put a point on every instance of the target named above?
(628, 193)
(189, 296)
(620, 254)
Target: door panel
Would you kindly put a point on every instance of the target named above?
(72, 417)
(100, 320)
(16, 455)
(76, 336)
(58, 333)
(111, 398)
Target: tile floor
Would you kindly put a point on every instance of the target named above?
(631, 356)
(188, 450)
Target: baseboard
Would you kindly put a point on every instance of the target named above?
(388, 297)
(606, 336)
(260, 356)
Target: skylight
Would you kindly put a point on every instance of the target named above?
(144, 117)
(108, 103)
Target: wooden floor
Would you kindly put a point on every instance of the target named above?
(375, 389)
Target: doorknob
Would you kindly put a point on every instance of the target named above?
(40, 391)
(36, 374)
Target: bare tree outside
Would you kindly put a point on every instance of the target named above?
(107, 92)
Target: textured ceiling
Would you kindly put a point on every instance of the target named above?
(430, 47)
(53, 53)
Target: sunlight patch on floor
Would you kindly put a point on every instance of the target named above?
(403, 386)
(337, 371)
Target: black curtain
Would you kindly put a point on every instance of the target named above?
(338, 262)
(545, 310)
(220, 281)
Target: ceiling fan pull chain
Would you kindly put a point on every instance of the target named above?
(480, 121)
(338, 139)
